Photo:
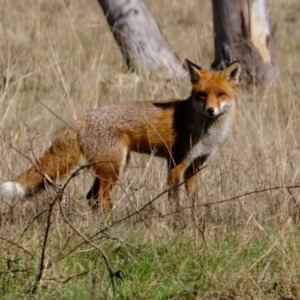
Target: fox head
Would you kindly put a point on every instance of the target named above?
(214, 93)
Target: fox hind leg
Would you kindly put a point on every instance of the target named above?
(94, 191)
(107, 175)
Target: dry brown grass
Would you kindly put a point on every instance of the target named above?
(60, 61)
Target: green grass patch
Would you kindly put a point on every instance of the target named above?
(259, 265)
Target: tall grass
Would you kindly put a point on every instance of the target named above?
(58, 60)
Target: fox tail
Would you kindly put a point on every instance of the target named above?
(56, 162)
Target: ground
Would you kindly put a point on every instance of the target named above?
(58, 60)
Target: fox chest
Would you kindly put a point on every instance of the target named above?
(208, 143)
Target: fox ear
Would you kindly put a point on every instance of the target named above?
(194, 71)
(232, 72)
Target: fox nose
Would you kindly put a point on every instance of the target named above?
(210, 111)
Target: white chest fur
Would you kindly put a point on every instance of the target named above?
(212, 139)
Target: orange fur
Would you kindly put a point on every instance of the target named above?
(185, 132)
(57, 161)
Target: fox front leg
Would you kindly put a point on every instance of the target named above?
(174, 179)
(191, 175)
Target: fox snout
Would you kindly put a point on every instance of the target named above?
(210, 111)
(214, 111)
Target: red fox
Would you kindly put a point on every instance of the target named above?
(185, 132)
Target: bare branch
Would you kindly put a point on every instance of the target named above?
(101, 251)
(42, 260)
(18, 246)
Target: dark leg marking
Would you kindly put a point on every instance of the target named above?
(195, 166)
(94, 191)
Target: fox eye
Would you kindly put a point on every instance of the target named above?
(202, 95)
(221, 94)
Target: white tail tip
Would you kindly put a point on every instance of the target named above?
(13, 190)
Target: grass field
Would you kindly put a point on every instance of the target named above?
(58, 60)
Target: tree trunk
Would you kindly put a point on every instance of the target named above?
(139, 37)
(243, 32)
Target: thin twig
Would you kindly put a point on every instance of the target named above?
(42, 260)
(15, 244)
(201, 230)
(101, 251)
(208, 204)
(31, 222)
(70, 277)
